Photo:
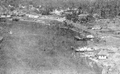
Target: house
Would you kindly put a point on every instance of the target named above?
(90, 36)
(57, 12)
(32, 16)
(96, 27)
(85, 49)
(5, 16)
(61, 19)
(101, 57)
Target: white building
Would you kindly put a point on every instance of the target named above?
(32, 16)
(57, 12)
(90, 36)
(84, 49)
(102, 57)
(96, 27)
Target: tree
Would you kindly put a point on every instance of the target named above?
(14, 3)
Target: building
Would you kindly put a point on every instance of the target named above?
(32, 16)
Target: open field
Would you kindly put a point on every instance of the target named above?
(40, 49)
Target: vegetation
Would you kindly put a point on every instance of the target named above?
(14, 3)
(47, 10)
(105, 8)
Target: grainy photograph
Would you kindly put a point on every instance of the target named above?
(59, 36)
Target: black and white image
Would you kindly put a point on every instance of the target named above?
(59, 36)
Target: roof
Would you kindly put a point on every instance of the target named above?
(90, 36)
(96, 27)
(84, 49)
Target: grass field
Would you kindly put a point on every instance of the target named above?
(40, 49)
